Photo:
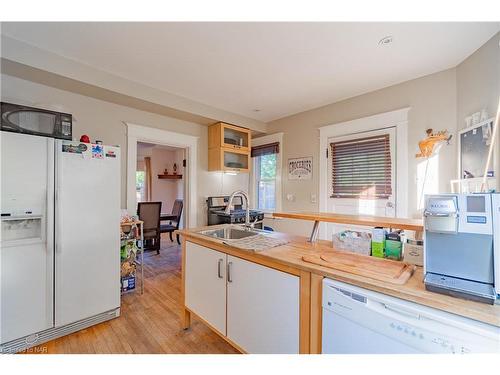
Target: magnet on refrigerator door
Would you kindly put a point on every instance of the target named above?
(74, 149)
(97, 151)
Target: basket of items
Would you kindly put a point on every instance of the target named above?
(353, 241)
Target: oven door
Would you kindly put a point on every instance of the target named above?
(35, 121)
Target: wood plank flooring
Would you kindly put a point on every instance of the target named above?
(150, 323)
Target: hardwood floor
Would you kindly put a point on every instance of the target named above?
(150, 323)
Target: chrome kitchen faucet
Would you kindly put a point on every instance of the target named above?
(244, 194)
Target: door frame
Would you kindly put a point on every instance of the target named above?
(397, 119)
(138, 133)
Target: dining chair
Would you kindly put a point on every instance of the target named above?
(174, 223)
(149, 213)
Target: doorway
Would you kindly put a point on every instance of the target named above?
(136, 135)
(392, 124)
(160, 176)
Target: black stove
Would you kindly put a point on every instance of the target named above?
(217, 214)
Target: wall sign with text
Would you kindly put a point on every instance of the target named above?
(300, 168)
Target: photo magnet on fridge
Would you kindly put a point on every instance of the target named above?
(97, 152)
(74, 149)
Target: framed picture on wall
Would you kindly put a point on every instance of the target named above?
(300, 168)
(474, 145)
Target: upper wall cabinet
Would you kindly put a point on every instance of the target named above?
(229, 136)
(228, 148)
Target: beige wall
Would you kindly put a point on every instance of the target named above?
(478, 81)
(27, 61)
(438, 101)
(433, 105)
(105, 121)
(478, 86)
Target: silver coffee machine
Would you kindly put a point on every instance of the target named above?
(462, 245)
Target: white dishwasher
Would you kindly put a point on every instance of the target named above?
(360, 321)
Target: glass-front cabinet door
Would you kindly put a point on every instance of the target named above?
(234, 160)
(234, 137)
(228, 148)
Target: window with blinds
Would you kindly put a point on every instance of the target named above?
(361, 168)
(265, 175)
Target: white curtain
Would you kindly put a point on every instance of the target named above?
(147, 180)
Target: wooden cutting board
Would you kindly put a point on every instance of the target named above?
(386, 270)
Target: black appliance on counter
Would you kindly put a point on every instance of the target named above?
(217, 215)
(35, 121)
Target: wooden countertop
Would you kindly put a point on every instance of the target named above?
(290, 255)
(372, 221)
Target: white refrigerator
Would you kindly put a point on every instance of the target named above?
(60, 241)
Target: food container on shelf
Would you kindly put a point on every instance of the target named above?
(468, 121)
(484, 115)
(353, 241)
(413, 252)
(476, 117)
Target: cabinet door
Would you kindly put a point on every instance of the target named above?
(262, 308)
(26, 240)
(205, 284)
(87, 263)
(235, 137)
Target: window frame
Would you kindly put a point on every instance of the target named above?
(254, 178)
(143, 190)
(258, 179)
(398, 119)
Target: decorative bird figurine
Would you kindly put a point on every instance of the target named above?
(427, 145)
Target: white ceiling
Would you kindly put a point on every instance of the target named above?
(278, 68)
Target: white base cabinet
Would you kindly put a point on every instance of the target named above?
(205, 284)
(255, 307)
(262, 308)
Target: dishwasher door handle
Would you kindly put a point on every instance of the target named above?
(392, 311)
(401, 312)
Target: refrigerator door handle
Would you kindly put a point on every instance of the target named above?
(49, 225)
(57, 209)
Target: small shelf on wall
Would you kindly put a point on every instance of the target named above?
(169, 176)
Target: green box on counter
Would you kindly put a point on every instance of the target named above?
(393, 246)
(378, 242)
(393, 249)
(378, 249)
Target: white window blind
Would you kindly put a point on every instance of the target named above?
(362, 168)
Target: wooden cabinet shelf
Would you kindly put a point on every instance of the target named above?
(228, 148)
(169, 176)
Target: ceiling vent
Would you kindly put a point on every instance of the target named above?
(385, 40)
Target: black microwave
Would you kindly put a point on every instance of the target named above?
(28, 120)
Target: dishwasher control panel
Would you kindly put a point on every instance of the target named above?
(384, 324)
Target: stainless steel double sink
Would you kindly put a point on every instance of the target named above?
(231, 232)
